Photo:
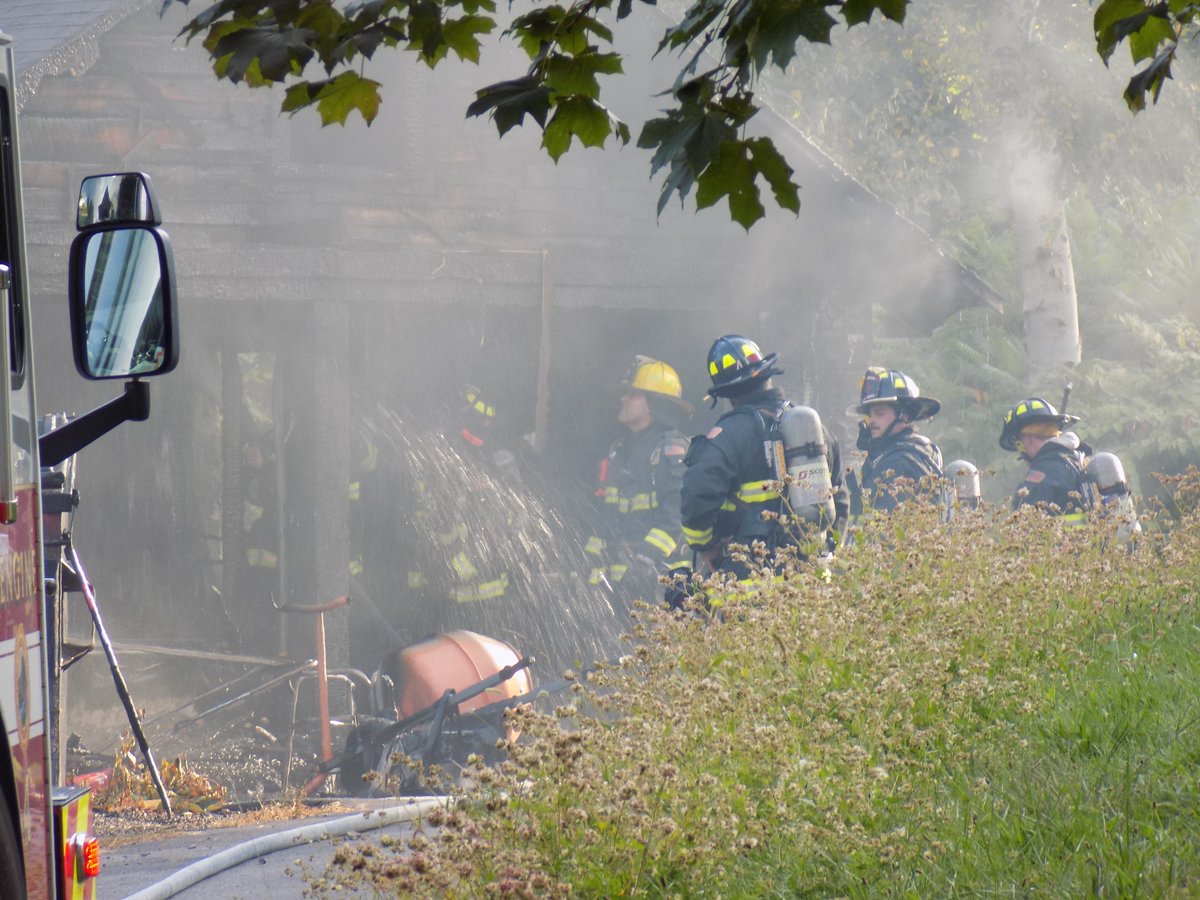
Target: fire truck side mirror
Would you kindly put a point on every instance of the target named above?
(126, 198)
(122, 302)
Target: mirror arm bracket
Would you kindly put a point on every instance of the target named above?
(69, 439)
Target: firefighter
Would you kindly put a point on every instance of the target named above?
(444, 546)
(1056, 478)
(260, 514)
(374, 524)
(479, 573)
(898, 458)
(365, 469)
(725, 489)
(639, 535)
(476, 440)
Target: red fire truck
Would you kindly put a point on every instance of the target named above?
(123, 326)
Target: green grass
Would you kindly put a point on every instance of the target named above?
(1100, 795)
(993, 707)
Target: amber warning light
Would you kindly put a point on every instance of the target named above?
(91, 857)
(90, 854)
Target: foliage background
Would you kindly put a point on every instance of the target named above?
(921, 115)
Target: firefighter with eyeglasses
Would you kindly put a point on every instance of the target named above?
(1057, 477)
(638, 536)
(767, 472)
(898, 459)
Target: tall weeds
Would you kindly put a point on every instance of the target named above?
(994, 706)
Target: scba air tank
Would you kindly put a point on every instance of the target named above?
(963, 487)
(810, 493)
(1108, 474)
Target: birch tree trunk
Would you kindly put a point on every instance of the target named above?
(1049, 304)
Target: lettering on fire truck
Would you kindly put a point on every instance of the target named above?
(18, 576)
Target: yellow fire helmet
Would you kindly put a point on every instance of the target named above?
(656, 377)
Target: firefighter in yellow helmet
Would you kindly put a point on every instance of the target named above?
(638, 533)
(1057, 478)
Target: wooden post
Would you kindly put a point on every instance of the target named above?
(541, 413)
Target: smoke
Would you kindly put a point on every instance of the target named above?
(369, 272)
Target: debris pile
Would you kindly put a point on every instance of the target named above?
(130, 786)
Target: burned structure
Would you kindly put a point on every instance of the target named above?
(331, 277)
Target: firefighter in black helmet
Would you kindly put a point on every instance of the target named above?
(455, 568)
(480, 573)
(898, 458)
(476, 440)
(637, 493)
(725, 491)
(1056, 478)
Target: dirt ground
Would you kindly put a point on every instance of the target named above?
(221, 773)
(121, 828)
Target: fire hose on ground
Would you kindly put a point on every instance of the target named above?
(233, 856)
(192, 875)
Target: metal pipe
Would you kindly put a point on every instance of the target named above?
(258, 690)
(8, 496)
(281, 546)
(119, 680)
(322, 708)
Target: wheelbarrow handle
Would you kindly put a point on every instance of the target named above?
(450, 699)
